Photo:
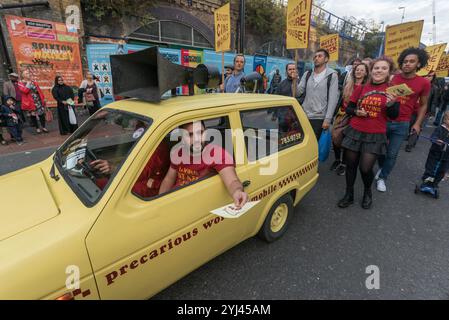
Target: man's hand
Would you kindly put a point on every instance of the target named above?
(326, 125)
(102, 165)
(391, 97)
(361, 113)
(417, 128)
(150, 183)
(240, 199)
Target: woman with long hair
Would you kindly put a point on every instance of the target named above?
(33, 101)
(365, 139)
(63, 94)
(359, 76)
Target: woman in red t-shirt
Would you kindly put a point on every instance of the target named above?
(359, 76)
(365, 138)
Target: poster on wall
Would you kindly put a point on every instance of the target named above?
(191, 58)
(260, 66)
(46, 49)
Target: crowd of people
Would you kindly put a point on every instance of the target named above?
(23, 103)
(369, 122)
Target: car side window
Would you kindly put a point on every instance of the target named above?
(278, 127)
(217, 136)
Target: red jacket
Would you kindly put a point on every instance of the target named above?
(27, 98)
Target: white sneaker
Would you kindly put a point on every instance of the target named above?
(378, 174)
(381, 187)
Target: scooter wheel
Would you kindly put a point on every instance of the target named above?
(416, 189)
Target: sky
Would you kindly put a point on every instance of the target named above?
(387, 11)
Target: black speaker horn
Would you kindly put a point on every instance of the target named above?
(147, 75)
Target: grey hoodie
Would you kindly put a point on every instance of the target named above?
(316, 105)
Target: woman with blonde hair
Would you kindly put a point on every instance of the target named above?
(359, 76)
(33, 101)
(366, 136)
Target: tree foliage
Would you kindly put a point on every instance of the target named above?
(266, 17)
(101, 9)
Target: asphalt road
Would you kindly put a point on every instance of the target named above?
(325, 252)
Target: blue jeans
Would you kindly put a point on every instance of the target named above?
(16, 132)
(397, 132)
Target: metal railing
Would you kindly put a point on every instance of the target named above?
(345, 28)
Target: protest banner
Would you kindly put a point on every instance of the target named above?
(443, 67)
(332, 44)
(402, 36)
(435, 53)
(222, 19)
(298, 28)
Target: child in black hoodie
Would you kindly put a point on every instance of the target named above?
(11, 117)
(437, 163)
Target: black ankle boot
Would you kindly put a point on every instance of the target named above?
(347, 200)
(367, 199)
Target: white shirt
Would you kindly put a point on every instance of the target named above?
(317, 78)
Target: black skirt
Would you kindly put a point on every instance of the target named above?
(363, 142)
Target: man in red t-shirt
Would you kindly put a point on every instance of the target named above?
(197, 160)
(410, 61)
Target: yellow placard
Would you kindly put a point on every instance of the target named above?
(400, 90)
(435, 53)
(222, 17)
(298, 23)
(332, 44)
(443, 67)
(402, 36)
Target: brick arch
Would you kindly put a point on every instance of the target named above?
(178, 15)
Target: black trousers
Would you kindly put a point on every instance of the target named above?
(437, 165)
(317, 126)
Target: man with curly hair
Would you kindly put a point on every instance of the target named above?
(410, 62)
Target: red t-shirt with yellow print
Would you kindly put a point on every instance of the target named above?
(421, 88)
(214, 159)
(376, 107)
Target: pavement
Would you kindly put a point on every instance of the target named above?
(326, 251)
(34, 141)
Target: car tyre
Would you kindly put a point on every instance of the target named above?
(277, 220)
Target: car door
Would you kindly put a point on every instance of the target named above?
(140, 246)
(276, 148)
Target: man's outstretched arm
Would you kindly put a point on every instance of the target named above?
(234, 186)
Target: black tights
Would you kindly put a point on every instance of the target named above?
(337, 152)
(366, 163)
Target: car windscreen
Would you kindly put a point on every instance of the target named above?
(91, 158)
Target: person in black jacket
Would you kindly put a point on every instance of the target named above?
(63, 94)
(285, 87)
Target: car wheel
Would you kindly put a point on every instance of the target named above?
(277, 220)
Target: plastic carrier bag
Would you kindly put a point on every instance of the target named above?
(324, 145)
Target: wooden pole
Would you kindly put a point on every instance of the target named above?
(295, 80)
(222, 69)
